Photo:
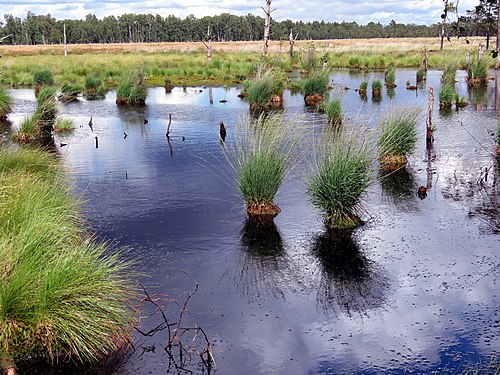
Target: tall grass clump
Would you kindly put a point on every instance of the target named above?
(449, 73)
(477, 74)
(390, 77)
(69, 91)
(398, 137)
(335, 112)
(93, 88)
(43, 77)
(420, 75)
(6, 102)
(340, 173)
(132, 89)
(62, 125)
(363, 86)
(315, 86)
(261, 159)
(447, 96)
(376, 88)
(62, 296)
(265, 91)
(40, 125)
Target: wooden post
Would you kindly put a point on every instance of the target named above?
(425, 64)
(291, 41)
(96, 142)
(429, 137)
(65, 45)
(210, 95)
(480, 52)
(267, 27)
(222, 132)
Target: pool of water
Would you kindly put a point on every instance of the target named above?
(413, 290)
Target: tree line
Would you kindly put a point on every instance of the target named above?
(146, 28)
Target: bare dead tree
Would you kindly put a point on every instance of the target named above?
(65, 44)
(291, 41)
(430, 109)
(208, 44)
(267, 27)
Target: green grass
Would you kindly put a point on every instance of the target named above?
(447, 95)
(449, 73)
(390, 76)
(477, 70)
(316, 83)
(62, 125)
(420, 75)
(262, 156)
(363, 85)
(376, 85)
(6, 102)
(340, 173)
(71, 90)
(43, 77)
(132, 89)
(61, 294)
(261, 89)
(335, 112)
(398, 132)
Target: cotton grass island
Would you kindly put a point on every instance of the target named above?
(240, 194)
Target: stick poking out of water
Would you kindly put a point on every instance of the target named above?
(169, 123)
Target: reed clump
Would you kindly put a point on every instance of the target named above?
(265, 91)
(398, 137)
(62, 295)
(335, 112)
(376, 88)
(64, 125)
(93, 88)
(363, 87)
(477, 74)
(447, 96)
(6, 102)
(69, 91)
(132, 90)
(340, 173)
(315, 87)
(262, 156)
(390, 77)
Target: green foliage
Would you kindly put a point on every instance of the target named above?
(64, 125)
(6, 102)
(398, 132)
(446, 95)
(390, 76)
(263, 87)
(262, 156)
(340, 174)
(132, 89)
(449, 73)
(477, 71)
(71, 90)
(43, 77)
(92, 83)
(363, 85)
(335, 112)
(61, 294)
(420, 74)
(377, 85)
(316, 83)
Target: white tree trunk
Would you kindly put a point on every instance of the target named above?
(267, 27)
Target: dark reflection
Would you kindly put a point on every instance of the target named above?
(488, 211)
(377, 99)
(478, 98)
(264, 267)
(399, 187)
(391, 92)
(349, 281)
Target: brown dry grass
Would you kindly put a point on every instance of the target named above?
(399, 45)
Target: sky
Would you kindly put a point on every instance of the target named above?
(383, 11)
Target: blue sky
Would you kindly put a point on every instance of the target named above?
(413, 11)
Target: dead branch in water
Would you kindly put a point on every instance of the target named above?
(183, 341)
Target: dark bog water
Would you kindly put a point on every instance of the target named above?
(414, 290)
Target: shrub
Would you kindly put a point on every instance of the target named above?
(43, 77)
(6, 102)
(339, 175)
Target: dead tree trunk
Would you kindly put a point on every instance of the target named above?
(267, 27)
(292, 40)
(65, 45)
(208, 44)
(429, 137)
(425, 64)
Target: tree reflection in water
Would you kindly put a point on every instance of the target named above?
(350, 282)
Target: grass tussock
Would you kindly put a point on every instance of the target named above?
(340, 173)
(43, 77)
(62, 125)
(132, 90)
(447, 95)
(265, 90)
(261, 157)
(61, 294)
(335, 112)
(6, 102)
(477, 74)
(398, 135)
(316, 83)
(390, 77)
